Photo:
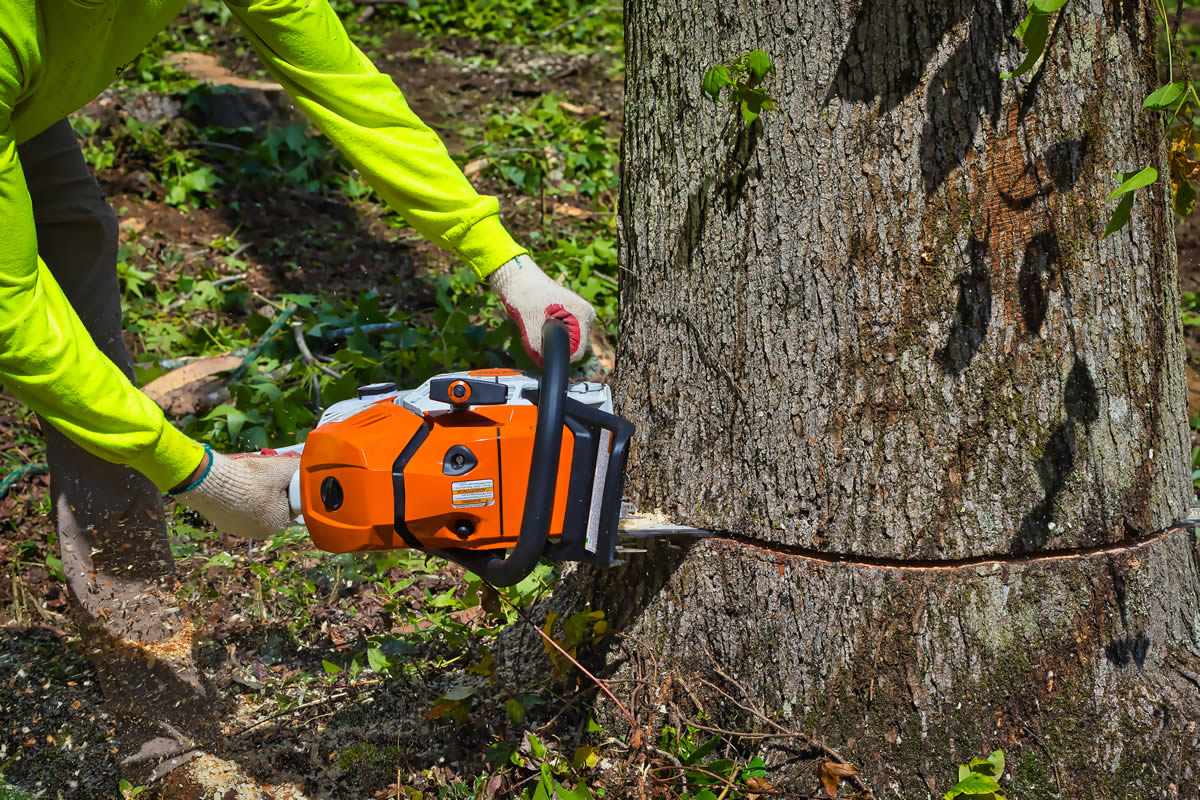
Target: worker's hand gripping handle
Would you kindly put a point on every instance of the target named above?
(543, 469)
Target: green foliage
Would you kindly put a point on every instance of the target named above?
(979, 779)
(742, 77)
(565, 23)
(695, 749)
(544, 148)
(1034, 30)
(1129, 182)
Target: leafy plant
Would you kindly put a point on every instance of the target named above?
(566, 23)
(979, 779)
(742, 78)
(129, 790)
(546, 148)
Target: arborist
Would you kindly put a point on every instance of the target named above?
(61, 349)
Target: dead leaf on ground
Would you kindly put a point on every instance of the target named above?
(757, 784)
(489, 600)
(206, 69)
(133, 225)
(586, 110)
(191, 388)
(564, 210)
(832, 772)
(473, 168)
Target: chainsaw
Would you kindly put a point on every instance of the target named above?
(492, 468)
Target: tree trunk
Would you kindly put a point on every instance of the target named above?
(877, 343)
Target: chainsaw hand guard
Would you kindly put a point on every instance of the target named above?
(543, 471)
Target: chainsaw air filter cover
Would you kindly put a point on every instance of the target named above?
(446, 467)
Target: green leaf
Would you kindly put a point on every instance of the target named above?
(1033, 31)
(1120, 215)
(715, 80)
(973, 784)
(580, 792)
(330, 667)
(592, 726)
(963, 771)
(759, 64)
(585, 757)
(219, 560)
(701, 751)
(1165, 97)
(515, 711)
(376, 659)
(1185, 198)
(545, 788)
(1046, 6)
(459, 692)
(1134, 180)
(996, 759)
(234, 419)
(536, 747)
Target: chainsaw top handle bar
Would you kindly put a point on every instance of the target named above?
(543, 469)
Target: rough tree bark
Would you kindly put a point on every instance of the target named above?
(877, 342)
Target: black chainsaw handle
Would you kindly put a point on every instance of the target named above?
(543, 469)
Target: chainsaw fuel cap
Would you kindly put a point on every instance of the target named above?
(458, 461)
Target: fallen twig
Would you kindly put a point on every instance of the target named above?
(338, 695)
(782, 732)
(591, 12)
(307, 355)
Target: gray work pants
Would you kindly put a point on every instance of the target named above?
(111, 527)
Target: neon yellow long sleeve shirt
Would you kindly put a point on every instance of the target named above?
(56, 56)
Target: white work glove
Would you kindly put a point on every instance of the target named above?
(531, 298)
(245, 494)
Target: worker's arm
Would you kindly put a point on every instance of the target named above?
(50, 363)
(304, 46)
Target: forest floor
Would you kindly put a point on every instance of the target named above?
(356, 677)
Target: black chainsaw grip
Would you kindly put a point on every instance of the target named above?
(543, 469)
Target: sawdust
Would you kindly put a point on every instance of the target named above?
(175, 651)
(218, 777)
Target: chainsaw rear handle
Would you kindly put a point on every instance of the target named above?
(543, 469)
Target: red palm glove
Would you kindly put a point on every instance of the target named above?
(531, 298)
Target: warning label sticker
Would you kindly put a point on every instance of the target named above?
(469, 494)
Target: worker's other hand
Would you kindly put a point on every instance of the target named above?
(245, 494)
(531, 298)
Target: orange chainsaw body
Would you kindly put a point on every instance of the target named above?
(391, 464)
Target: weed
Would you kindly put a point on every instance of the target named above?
(544, 148)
